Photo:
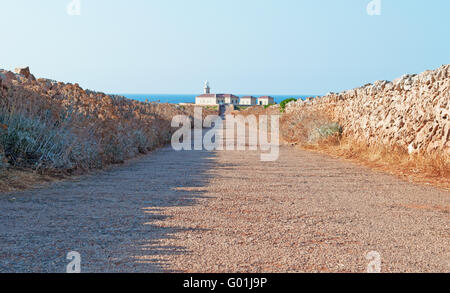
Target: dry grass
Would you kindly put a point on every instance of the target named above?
(20, 179)
(302, 128)
(421, 168)
(50, 129)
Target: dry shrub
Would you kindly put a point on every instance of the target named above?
(56, 127)
(426, 168)
(259, 110)
(307, 127)
(312, 130)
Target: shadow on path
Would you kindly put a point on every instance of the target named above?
(108, 217)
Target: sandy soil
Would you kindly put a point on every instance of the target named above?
(227, 212)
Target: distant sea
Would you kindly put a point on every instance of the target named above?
(185, 98)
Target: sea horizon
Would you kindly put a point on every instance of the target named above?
(190, 98)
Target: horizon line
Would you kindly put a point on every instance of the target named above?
(312, 95)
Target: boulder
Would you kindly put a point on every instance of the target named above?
(6, 77)
(25, 72)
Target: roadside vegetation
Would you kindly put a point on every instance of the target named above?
(315, 131)
(212, 108)
(50, 128)
(285, 102)
(423, 168)
(267, 106)
(240, 107)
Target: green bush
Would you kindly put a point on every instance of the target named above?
(267, 106)
(30, 142)
(330, 129)
(41, 142)
(113, 151)
(285, 102)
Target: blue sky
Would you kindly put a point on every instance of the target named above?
(240, 46)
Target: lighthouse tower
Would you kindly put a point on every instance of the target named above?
(207, 88)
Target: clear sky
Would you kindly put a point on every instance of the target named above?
(240, 46)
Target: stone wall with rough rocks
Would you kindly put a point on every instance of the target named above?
(93, 129)
(411, 112)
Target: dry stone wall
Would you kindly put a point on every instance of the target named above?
(411, 112)
(103, 128)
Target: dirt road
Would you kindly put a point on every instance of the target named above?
(227, 212)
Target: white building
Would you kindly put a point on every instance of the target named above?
(266, 100)
(215, 99)
(248, 101)
(209, 99)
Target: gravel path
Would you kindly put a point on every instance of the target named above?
(227, 212)
(108, 217)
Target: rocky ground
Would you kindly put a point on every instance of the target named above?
(227, 212)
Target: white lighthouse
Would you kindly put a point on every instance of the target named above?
(207, 88)
(208, 99)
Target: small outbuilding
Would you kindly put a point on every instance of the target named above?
(266, 100)
(248, 101)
